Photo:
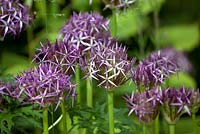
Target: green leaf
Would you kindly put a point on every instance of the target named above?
(83, 5)
(80, 5)
(182, 79)
(182, 37)
(28, 111)
(128, 23)
(6, 123)
(14, 63)
(9, 59)
(16, 69)
(147, 6)
(128, 87)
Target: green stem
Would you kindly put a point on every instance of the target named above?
(64, 129)
(115, 22)
(156, 23)
(156, 125)
(144, 130)
(78, 88)
(30, 46)
(45, 121)
(194, 123)
(56, 122)
(110, 112)
(89, 93)
(171, 128)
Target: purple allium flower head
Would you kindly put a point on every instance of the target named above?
(109, 65)
(194, 100)
(145, 105)
(13, 17)
(175, 103)
(84, 30)
(62, 54)
(44, 85)
(155, 69)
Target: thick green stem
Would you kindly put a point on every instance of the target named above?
(45, 121)
(110, 112)
(194, 123)
(89, 93)
(144, 129)
(156, 23)
(30, 45)
(64, 123)
(171, 128)
(156, 125)
(78, 88)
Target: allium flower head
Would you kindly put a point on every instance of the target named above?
(109, 65)
(175, 103)
(155, 69)
(84, 30)
(145, 105)
(194, 98)
(61, 54)
(44, 85)
(13, 17)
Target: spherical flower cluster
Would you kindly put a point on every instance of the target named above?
(84, 31)
(44, 85)
(155, 69)
(194, 98)
(61, 54)
(145, 105)
(175, 103)
(13, 17)
(109, 65)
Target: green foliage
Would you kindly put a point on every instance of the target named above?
(147, 6)
(182, 78)
(14, 63)
(83, 5)
(128, 87)
(95, 120)
(128, 23)
(18, 118)
(182, 37)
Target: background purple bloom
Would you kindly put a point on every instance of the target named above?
(13, 17)
(156, 68)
